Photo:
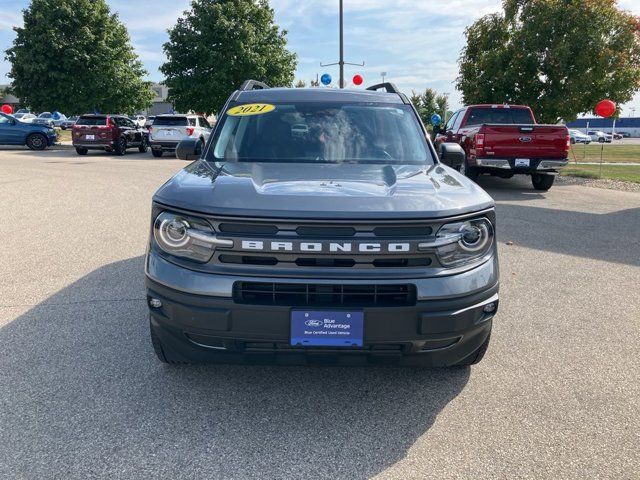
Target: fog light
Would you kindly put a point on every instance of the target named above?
(155, 303)
(489, 308)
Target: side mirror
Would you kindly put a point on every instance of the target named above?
(189, 149)
(452, 154)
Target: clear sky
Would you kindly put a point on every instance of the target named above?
(417, 42)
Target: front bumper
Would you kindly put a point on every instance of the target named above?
(446, 324)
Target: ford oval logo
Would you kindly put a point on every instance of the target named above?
(313, 323)
(525, 139)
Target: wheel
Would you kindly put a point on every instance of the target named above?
(37, 141)
(62, 127)
(476, 356)
(471, 173)
(542, 182)
(121, 146)
(162, 352)
(573, 141)
(156, 153)
(601, 140)
(143, 146)
(81, 150)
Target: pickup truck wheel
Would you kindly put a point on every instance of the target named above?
(161, 350)
(37, 141)
(81, 150)
(156, 153)
(121, 146)
(476, 356)
(471, 173)
(542, 182)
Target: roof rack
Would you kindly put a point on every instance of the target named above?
(388, 86)
(253, 85)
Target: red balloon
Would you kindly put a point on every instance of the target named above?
(8, 109)
(357, 79)
(605, 108)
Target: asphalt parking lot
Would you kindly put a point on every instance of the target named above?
(82, 395)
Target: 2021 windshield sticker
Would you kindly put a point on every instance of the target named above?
(251, 109)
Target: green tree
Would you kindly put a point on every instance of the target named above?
(559, 56)
(217, 45)
(429, 102)
(75, 56)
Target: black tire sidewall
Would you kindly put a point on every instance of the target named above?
(33, 136)
(120, 146)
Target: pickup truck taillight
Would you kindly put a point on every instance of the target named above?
(567, 145)
(190, 131)
(479, 144)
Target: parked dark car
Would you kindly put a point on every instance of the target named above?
(112, 133)
(68, 122)
(34, 136)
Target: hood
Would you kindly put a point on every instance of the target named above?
(323, 191)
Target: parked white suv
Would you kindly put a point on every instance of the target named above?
(599, 136)
(168, 130)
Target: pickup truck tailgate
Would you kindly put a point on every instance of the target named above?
(525, 141)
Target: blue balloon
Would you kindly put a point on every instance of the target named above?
(436, 119)
(325, 79)
(56, 115)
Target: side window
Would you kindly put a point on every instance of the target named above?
(203, 122)
(458, 123)
(4, 120)
(452, 120)
(116, 121)
(192, 121)
(130, 123)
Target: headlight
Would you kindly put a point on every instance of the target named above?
(186, 237)
(460, 243)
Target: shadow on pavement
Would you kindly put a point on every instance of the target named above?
(611, 237)
(82, 395)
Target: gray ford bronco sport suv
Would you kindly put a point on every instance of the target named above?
(318, 225)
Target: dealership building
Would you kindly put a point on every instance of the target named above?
(629, 125)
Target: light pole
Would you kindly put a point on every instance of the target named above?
(383, 74)
(341, 62)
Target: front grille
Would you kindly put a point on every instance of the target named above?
(306, 294)
(321, 245)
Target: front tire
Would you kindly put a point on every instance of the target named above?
(37, 141)
(143, 146)
(542, 182)
(472, 173)
(601, 140)
(121, 146)
(81, 150)
(156, 153)
(161, 350)
(476, 356)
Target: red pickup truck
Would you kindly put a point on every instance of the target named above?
(505, 140)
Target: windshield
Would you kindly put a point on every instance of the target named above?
(480, 115)
(322, 133)
(92, 121)
(170, 121)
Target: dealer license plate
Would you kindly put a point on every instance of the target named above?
(327, 329)
(90, 137)
(522, 162)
